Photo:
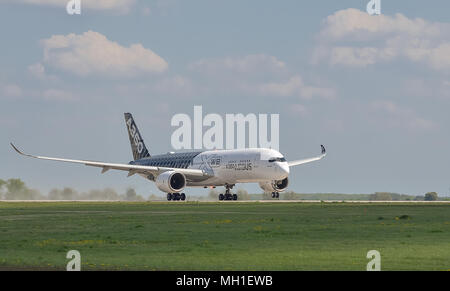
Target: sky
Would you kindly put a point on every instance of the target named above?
(375, 90)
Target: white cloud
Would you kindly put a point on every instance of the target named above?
(257, 75)
(354, 38)
(38, 71)
(295, 87)
(117, 5)
(393, 115)
(246, 64)
(359, 25)
(358, 56)
(91, 53)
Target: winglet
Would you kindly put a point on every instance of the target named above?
(324, 151)
(16, 149)
(20, 152)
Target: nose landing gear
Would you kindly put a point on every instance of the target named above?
(275, 195)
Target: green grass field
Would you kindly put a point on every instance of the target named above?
(224, 236)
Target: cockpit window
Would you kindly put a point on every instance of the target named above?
(282, 159)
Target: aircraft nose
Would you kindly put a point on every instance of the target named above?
(284, 169)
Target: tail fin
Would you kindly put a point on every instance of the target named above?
(137, 143)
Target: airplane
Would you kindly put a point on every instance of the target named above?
(173, 172)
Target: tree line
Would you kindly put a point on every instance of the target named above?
(377, 196)
(16, 189)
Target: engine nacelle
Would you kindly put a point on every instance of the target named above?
(274, 186)
(170, 182)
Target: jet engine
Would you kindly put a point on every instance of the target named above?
(274, 186)
(170, 182)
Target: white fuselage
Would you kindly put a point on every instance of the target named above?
(240, 166)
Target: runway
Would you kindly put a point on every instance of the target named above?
(229, 201)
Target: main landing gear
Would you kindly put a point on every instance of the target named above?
(228, 195)
(176, 196)
(275, 195)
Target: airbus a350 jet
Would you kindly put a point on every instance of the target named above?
(172, 172)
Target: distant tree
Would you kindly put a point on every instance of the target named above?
(15, 185)
(17, 190)
(64, 194)
(69, 194)
(242, 194)
(419, 198)
(431, 196)
(54, 194)
(105, 194)
(266, 196)
(2, 182)
(33, 194)
(406, 197)
(288, 195)
(380, 196)
(395, 196)
(153, 197)
(130, 195)
(399, 197)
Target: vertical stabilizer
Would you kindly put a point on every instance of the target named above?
(137, 143)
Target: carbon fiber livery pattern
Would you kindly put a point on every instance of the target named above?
(170, 160)
(137, 143)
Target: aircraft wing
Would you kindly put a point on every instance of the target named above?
(131, 169)
(309, 160)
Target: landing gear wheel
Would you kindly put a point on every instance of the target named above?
(169, 196)
(183, 196)
(221, 197)
(273, 194)
(277, 195)
(227, 195)
(234, 197)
